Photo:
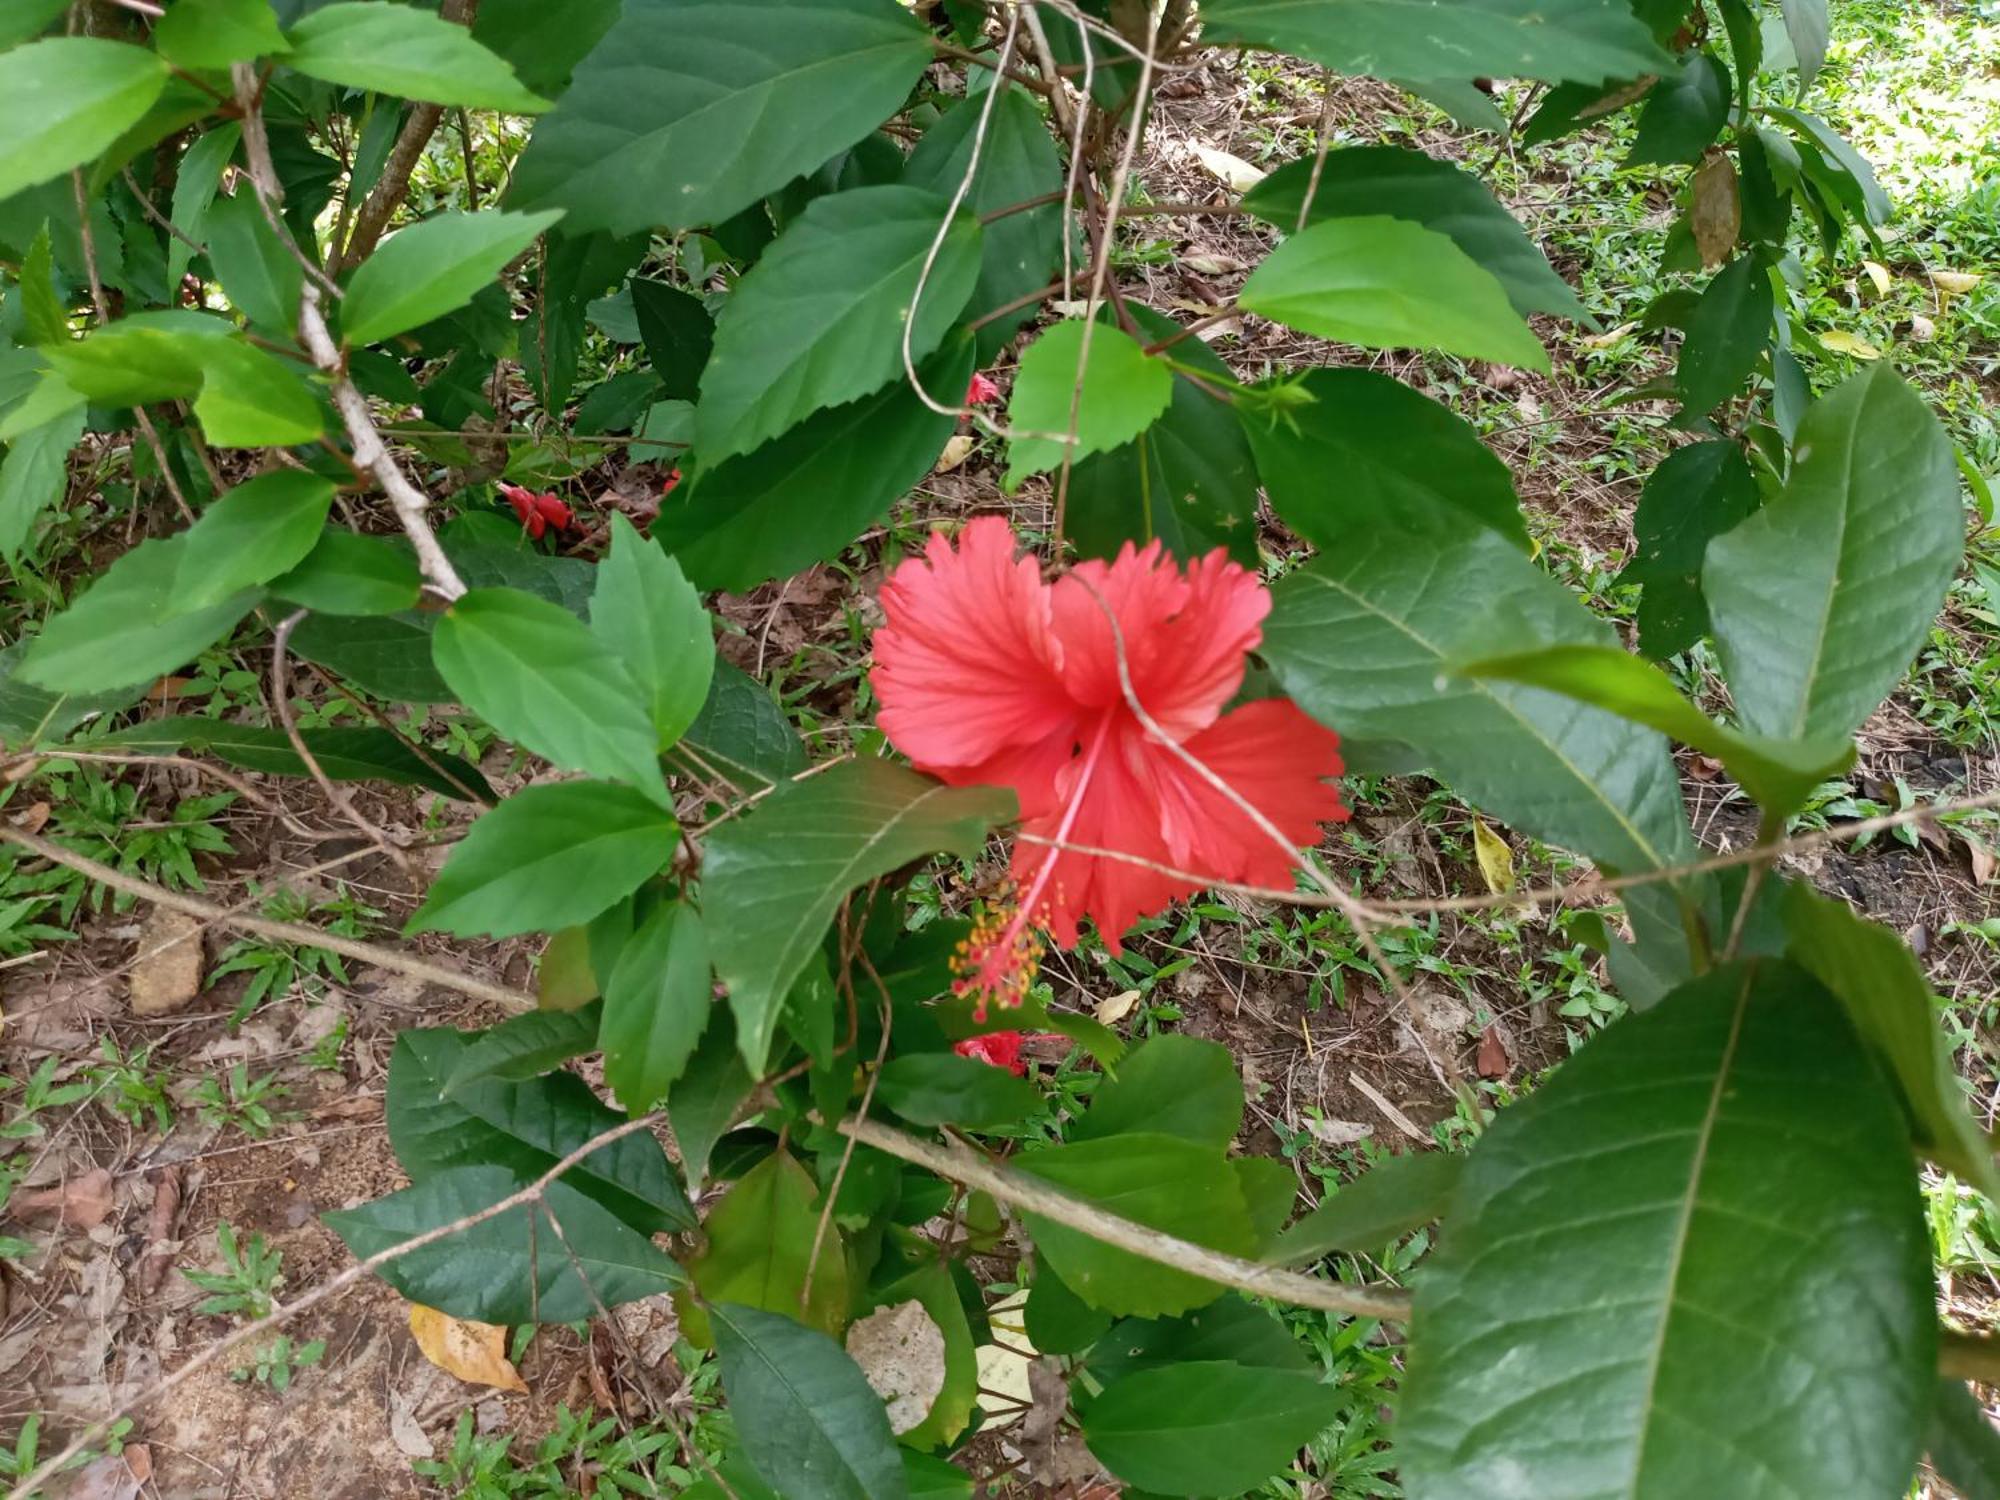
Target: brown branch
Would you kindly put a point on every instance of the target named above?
(269, 191)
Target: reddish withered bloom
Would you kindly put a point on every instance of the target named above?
(988, 675)
(537, 512)
(1000, 1048)
(980, 391)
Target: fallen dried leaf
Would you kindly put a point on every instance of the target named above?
(475, 1352)
(1115, 1008)
(1983, 861)
(956, 450)
(159, 1252)
(166, 973)
(1877, 273)
(1338, 1132)
(31, 818)
(1496, 858)
(1955, 282)
(901, 1351)
(83, 1202)
(1922, 329)
(1840, 341)
(1493, 1060)
(1236, 173)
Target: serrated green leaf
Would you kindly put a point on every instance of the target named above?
(261, 276)
(940, 1088)
(741, 735)
(43, 318)
(525, 1046)
(1206, 1427)
(387, 655)
(1683, 114)
(35, 476)
(710, 1095)
(349, 574)
(30, 716)
(642, 139)
(1171, 1085)
(678, 333)
(1693, 496)
(657, 1003)
(146, 357)
(252, 399)
(1378, 1208)
(196, 181)
(432, 268)
(1116, 389)
(256, 531)
(760, 1248)
(1728, 329)
(398, 49)
(216, 33)
(547, 858)
(650, 617)
(65, 99)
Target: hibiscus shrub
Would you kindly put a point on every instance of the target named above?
(798, 239)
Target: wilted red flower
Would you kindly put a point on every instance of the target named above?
(981, 391)
(1000, 1048)
(988, 675)
(537, 512)
(667, 485)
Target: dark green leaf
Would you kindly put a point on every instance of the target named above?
(491, 551)
(256, 531)
(1696, 494)
(216, 33)
(261, 275)
(1683, 114)
(1109, 394)
(541, 42)
(1360, 181)
(524, 1047)
(1233, 1330)
(650, 617)
(29, 715)
(535, 673)
(1821, 598)
(1728, 329)
(547, 858)
(1763, 1131)
(64, 99)
(511, 1268)
(1206, 1427)
(27, 18)
(810, 1422)
(1057, 1320)
(35, 477)
(678, 333)
(433, 267)
(349, 574)
(1170, 1085)
(1375, 1210)
(641, 139)
(741, 734)
(1964, 1446)
(774, 878)
(940, 1088)
(709, 1097)
(657, 1004)
(574, 269)
(526, 1127)
(1807, 26)
(1405, 462)
(1388, 283)
(44, 319)
(387, 655)
(820, 319)
(759, 1250)
(1826, 156)
(344, 754)
(1363, 639)
(401, 50)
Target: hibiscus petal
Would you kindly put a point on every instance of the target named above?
(1185, 635)
(965, 666)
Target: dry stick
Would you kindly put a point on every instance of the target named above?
(963, 1166)
(229, 779)
(1319, 153)
(291, 932)
(532, 1193)
(1070, 120)
(281, 700)
(266, 187)
(146, 206)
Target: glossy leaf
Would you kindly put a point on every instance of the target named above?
(657, 1004)
(678, 333)
(1206, 1427)
(1171, 1085)
(344, 753)
(1364, 637)
(741, 735)
(939, 1088)
(1701, 1334)
(1696, 494)
(773, 878)
(432, 267)
(810, 1423)
(252, 399)
(510, 1268)
(256, 531)
(650, 617)
(548, 857)
(819, 320)
(1378, 1208)
(543, 43)
(648, 135)
(1058, 1321)
(1820, 599)
(398, 49)
(1363, 181)
(260, 274)
(1388, 283)
(1807, 26)
(1116, 389)
(64, 99)
(1729, 328)
(1964, 1445)
(535, 672)
(349, 574)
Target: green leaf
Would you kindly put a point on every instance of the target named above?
(650, 617)
(387, 655)
(259, 272)
(34, 477)
(25, 19)
(1762, 1131)
(1693, 496)
(433, 267)
(678, 333)
(1232, 1330)
(804, 497)
(939, 1088)
(1882, 987)
(773, 879)
(1057, 1320)
(1364, 637)
(147, 357)
(1405, 461)
(1362, 181)
(1172, 1085)
(1730, 326)
(256, 531)
(524, 1047)
(932, 1286)
(709, 1096)
(1424, 40)
(349, 574)
(811, 1424)
(196, 183)
(741, 734)
(760, 1245)
(1206, 1427)
(1683, 114)
(1117, 393)
(535, 672)
(1375, 1210)
(252, 399)
(543, 43)
(510, 1268)
(641, 139)
(657, 1004)
(398, 49)
(199, 34)
(1188, 480)
(344, 754)
(1017, 162)
(44, 320)
(1964, 1446)
(526, 1127)
(1830, 160)
(29, 716)
(128, 627)
(1821, 598)
(1807, 26)
(1778, 774)
(819, 320)
(1164, 1182)
(1387, 283)
(549, 857)
(65, 99)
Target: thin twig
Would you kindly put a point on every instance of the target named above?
(229, 779)
(268, 188)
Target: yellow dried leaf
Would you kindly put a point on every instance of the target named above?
(1496, 859)
(1607, 338)
(1842, 342)
(1879, 274)
(1234, 171)
(1955, 282)
(1115, 1008)
(956, 450)
(1715, 210)
(472, 1351)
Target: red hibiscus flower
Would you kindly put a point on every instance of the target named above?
(981, 391)
(988, 675)
(537, 512)
(1000, 1048)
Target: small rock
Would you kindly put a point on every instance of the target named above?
(166, 975)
